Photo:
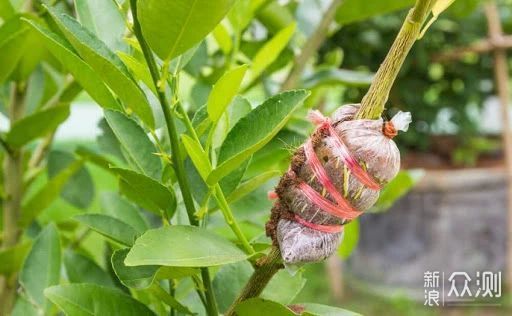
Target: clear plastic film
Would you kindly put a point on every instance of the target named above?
(333, 178)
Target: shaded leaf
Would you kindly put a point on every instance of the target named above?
(250, 185)
(110, 227)
(36, 125)
(136, 143)
(354, 10)
(12, 43)
(91, 299)
(117, 207)
(147, 192)
(396, 188)
(183, 246)
(333, 76)
(79, 189)
(47, 194)
(42, 266)
(350, 239)
(12, 258)
(324, 310)
(81, 269)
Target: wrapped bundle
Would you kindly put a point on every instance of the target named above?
(334, 177)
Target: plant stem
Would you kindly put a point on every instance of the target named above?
(211, 307)
(264, 272)
(311, 46)
(13, 183)
(374, 101)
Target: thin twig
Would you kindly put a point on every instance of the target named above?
(313, 43)
(479, 47)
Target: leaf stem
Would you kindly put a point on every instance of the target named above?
(175, 148)
(374, 101)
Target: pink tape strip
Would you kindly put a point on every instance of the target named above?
(323, 228)
(326, 205)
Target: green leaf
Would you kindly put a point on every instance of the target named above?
(221, 35)
(6, 9)
(354, 10)
(142, 277)
(81, 269)
(173, 27)
(259, 306)
(81, 71)
(403, 182)
(334, 76)
(197, 155)
(104, 20)
(250, 185)
(36, 125)
(183, 246)
(311, 309)
(139, 277)
(140, 150)
(350, 239)
(12, 46)
(107, 65)
(140, 70)
(254, 130)
(79, 189)
(12, 258)
(91, 299)
(42, 266)
(47, 194)
(269, 52)
(117, 207)
(110, 227)
(224, 91)
(150, 193)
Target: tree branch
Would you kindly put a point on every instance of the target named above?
(374, 101)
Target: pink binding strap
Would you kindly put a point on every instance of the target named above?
(341, 150)
(342, 212)
(323, 228)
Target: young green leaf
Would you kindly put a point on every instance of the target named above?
(251, 185)
(79, 190)
(91, 299)
(47, 194)
(136, 143)
(173, 27)
(81, 71)
(107, 64)
(104, 19)
(404, 181)
(36, 125)
(197, 155)
(183, 246)
(42, 266)
(254, 130)
(147, 192)
(140, 70)
(258, 306)
(81, 269)
(221, 35)
(12, 42)
(12, 258)
(109, 227)
(117, 207)
(271, 50)
(223, 92)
